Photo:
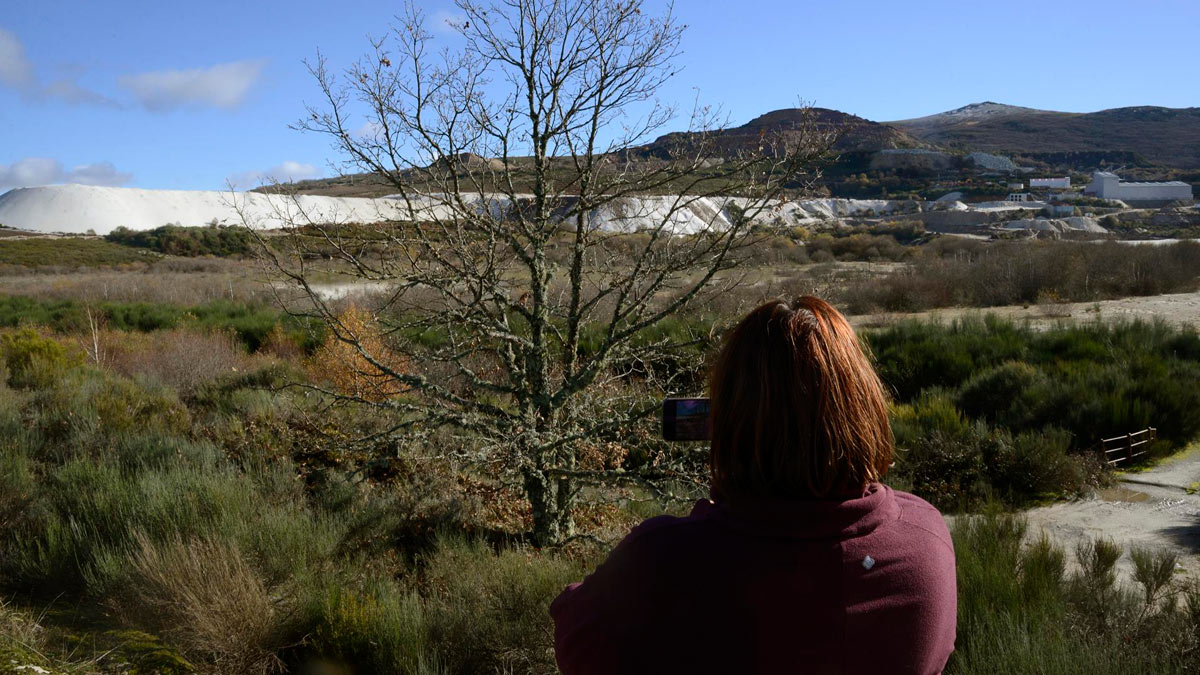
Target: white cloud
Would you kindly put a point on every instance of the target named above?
(286, 172)
(224, 86)
(100, 173)
(17, 72)
(33, 171)
(15, 68)
(68, 90)
(369, 129)
(444, 21)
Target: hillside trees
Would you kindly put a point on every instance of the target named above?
(532, 333)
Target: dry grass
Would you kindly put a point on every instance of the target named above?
(206, 597)
(177, 282)
(181, 358)
(19, 630)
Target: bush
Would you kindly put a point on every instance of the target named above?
(78, 531)
(189, 241)
(380, 628)
(251, 323)
(84, 409)
(912, 356)
(32, 360)
(1095, 381)
(487, 611)
(180, 359)
(343, 366)
(478, 611)
(59, 315)
(992, 410)
(997, 390)
(1038, 465)
(205, 597)
(956, 464)
(946, 469)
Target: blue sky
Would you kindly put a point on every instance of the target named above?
(190, 95)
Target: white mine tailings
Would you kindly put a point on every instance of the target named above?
(77, 209)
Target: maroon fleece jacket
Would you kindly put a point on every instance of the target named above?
(864, 585)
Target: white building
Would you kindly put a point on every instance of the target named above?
(1019, 197)
(1064, 182)
(1106, 185)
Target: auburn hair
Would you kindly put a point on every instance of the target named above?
(797, 409)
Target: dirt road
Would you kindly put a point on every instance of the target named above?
(1151, 508)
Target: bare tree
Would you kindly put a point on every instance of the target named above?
(542, 238)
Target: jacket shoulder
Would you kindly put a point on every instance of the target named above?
(920, 515)
(659, 528)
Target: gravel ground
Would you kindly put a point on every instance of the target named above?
(1152, 508)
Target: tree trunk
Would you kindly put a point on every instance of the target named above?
(551, 501)
(566, 512)
(543, 502)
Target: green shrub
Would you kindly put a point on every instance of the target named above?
(189, 241)
(946, 469)
(486, 611)
(79, 530)
(68, 252)
(253, 324)
(1094, 381)
(955, 463)
(32, 360)
(58, 315)
(1034, 465)
(933, 411)
(17, 483)
(85, 408)
(912, 357)
(997, 390)
(379, 628)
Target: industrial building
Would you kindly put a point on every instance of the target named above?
(1106, 185)
(1064, 182)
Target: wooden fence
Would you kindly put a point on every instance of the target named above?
(1125, 448)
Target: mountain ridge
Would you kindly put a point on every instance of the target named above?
(1166, 137)
(1163, 139)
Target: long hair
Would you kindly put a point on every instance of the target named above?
(797, 409)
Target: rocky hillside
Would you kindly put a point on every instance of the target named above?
(1168, 137)
(853, 133)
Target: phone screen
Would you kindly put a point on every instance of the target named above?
(685, 419)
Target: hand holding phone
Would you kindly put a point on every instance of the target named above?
(685, 419)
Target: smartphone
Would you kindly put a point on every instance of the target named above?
(685, 419)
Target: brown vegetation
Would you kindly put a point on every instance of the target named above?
(206, 598)
(357, 362)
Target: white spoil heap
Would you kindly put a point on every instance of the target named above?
(78, 209)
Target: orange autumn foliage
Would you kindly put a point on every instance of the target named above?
(347, 370)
